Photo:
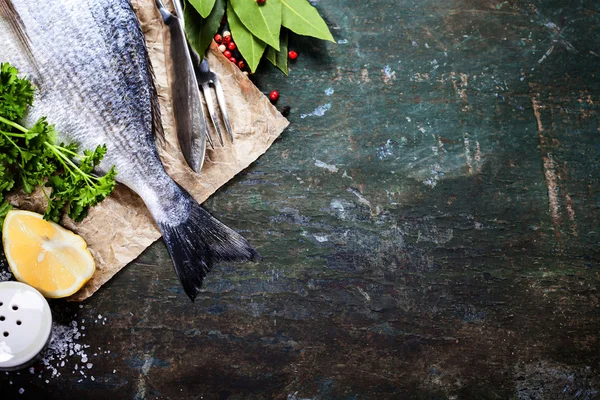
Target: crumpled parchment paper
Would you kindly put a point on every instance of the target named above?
(120, 228)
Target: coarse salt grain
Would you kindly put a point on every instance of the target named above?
(63, 344)
(5, 274)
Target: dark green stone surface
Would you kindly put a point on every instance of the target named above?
(433, 235)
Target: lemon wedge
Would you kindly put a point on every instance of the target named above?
(45, 255)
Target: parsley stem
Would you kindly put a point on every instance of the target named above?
(47, 197)
(69, 151)
(13, 134)
(16, 145)
(63, 149)
(62, 158)
(59, 156)
(13, 124)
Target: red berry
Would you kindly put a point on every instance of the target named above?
(227, 54)
(218, 38)
(292, 55)
(241, 64)
(231, 46)
(232, 59)
(274, 95)
(261, 2)
(227, 39)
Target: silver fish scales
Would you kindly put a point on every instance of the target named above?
(89, 62)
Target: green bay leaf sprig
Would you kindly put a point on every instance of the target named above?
(263, 21)
(251, 47)
(31, 158)
(302, 18)
(279, 58)
(255, 27)
(204, 7)
(200, 30)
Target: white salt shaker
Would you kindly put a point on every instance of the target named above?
(25, 325)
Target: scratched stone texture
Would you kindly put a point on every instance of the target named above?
(429, 224)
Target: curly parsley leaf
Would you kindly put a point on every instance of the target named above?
(16, 94)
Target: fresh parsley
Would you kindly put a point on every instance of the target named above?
(31, 158)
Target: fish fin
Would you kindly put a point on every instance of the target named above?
(9, 12)
(157, 126)
(198, 243)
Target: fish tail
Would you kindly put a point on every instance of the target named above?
(198, 242)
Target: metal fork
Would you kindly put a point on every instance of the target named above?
(206, 78)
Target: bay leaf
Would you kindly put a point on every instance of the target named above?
(204, 7)
(280, 58)
(262, 20)
(251, 47)
(200, 31)
(302, 18)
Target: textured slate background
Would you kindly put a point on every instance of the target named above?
(432, 235)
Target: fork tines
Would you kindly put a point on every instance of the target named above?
(206, 78)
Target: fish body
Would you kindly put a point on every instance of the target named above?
(89, 62)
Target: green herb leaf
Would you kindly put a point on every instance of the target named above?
(16, 94)
(4, 209)
(263, 21)
(200, 31)
(249, 45)
(302, 18)
(204, 7)
(280, 58)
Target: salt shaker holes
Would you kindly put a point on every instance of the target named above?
(25, 324)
